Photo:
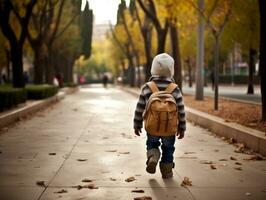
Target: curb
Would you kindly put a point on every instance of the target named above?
(14, 116)
(253, 139)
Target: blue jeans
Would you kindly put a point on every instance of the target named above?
(167, 146)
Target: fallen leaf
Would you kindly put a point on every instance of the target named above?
(111, 151)
(232, 158)
(213, 166)
(41, 183)
(86, 180)
(82, 160)
(206, 162)
(238, 163)
(61, 191)
(186, 182)
(190, 152)
(254, 157)
(130, 179)
(125, 152)
(137, 191)
(216, 150)
(238, 168)
(52, 154)
(112, 179)
(143, 198)
(89, 186)
(223, 159)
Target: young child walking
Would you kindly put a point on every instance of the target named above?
(161, 107)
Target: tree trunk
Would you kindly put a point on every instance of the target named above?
(189, 72)
(216, 71)
(200, 54)
(38, 65)
(49, 70)
(252, 54)
(131, 72)
(147, 44)
(161, 35)
(7, 65)
(17, 66)
(262, 64)
(176, 54)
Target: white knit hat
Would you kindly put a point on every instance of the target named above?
(163, 65)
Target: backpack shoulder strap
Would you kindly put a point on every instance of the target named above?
(152, 85)
(170, 88)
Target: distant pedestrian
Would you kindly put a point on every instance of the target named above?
(161, 107)
(26, 77)
(105, 80)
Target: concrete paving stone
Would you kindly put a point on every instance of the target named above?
(114, 193)
(20, 192)
(229, 193)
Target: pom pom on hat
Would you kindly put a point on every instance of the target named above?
(163, 65)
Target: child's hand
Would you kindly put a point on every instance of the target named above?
(137, 131)
(180, 134)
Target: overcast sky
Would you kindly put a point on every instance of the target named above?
(103, 10)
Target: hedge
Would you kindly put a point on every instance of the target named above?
(10, 97)
(238, 79)
(40, 91)
(70, 84)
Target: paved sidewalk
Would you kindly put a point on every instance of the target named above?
(90, 133)
(237, 92)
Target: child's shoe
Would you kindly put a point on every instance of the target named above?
(153, 156)
(166, 169)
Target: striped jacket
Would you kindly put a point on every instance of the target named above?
(161, 83)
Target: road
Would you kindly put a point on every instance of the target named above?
(233, 92)
(89, 135)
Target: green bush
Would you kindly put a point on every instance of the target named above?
(10, 97)
(70, 84)
(40, 91)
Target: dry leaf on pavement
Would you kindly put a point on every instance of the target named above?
(143, 198)
(41, 183)
(89, 186)
(137, 191)
(190, 152)
(186, 182)
(111, 151)
(125, 152)
(81, 160)
(112, 179)
(232, 158)
(238, 168)
(206, 162)
(238, 163)
(130, 179)
(61, 191)
(86, 180)
(223, 159)
(254, 157)
(52, 154)
(213, 166)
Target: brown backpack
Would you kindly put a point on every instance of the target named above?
(160, 115)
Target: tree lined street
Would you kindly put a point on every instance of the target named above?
(89, 135)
